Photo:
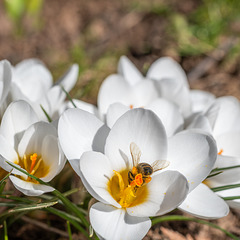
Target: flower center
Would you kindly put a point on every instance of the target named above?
(207, 183)
(127, 195)
(34, 165)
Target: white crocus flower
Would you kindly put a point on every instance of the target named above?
(221, 119)
(106, 162)
(32, 146)
(32, 74)
(165, 79)
(129, 89)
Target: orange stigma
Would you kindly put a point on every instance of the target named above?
(131, 106)
(220, 152)
(33, 158)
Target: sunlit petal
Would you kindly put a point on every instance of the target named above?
(204, 203)
(115, 224)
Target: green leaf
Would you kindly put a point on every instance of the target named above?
(69, 97)
(63, 214)
(214, 174)
(69, 230)
(230, 198)
(46, 114)
(223, 169)
(2, 186)
(19, 199)
(70, 219)
(26, 208)
(5, 230)
(72, 207)
(33, 207)
(183, 218)
(225, 187)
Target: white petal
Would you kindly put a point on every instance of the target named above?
(24, 65)
(193, 154)
(52, 103)
(30, 188)
(200, 100)
(97, 171)
(4, 164)
(18, 116)
(5, 79)
(166, 67)
(111, 223)
(169, 114)
(80, 131)
(112, 90)
(143, 128)
(166, 191)
(229, 143)
(228, 115)
(204, 203)
(231, 193)
(7, 150)
(229, 176)
(128, 70)
(199, 121)
(115, 111)
(35, 76)
(53, 156)
(176, 92)
(15, 94)
(34, 137)
(69, 79)
(84, 106)
(141, 94)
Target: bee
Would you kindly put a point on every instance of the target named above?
(141, 172)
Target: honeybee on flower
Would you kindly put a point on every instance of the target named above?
(141, 172)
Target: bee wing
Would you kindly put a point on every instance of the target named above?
(159, 165)
(136, 153)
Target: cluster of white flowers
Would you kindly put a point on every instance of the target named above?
(151, 145)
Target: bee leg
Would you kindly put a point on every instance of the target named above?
(148, 179)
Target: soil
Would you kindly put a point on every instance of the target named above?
(108, 27)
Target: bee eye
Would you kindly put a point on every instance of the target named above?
(147, 171)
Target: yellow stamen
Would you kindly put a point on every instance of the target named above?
(120, 181)
(131, 106)
(25, 161)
